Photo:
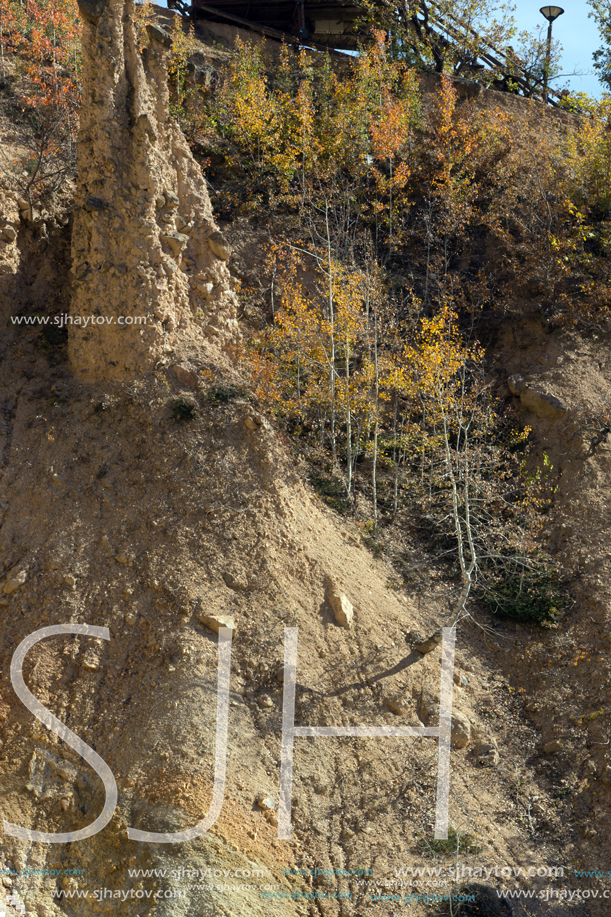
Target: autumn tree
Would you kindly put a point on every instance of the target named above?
(476, 492)
(601, 13)
(445, 36)
(316, 347)
(9, 32)
(47, 36)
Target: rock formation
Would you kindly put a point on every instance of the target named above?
(148, 260)
(119, 512)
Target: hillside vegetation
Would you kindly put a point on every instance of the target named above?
(412, 418)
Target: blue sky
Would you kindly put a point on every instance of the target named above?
(578, 36)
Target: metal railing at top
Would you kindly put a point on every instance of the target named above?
(506, 65)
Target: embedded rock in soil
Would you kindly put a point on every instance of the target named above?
(535, 399)
(340, 605)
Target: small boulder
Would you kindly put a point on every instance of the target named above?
(486, 752)
(214, 621)
(14, 581)
(175, 240)
(171, 198)
(461, 729)
(203, 287)
(428, 645)
(218, 246)
(341, 606)
(542, 403)
(428, 713)
(186, 375)
(156, 33)
(535, 399)
(238, 584)
(397, 704)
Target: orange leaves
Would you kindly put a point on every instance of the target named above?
(391, 129)
(10, 22)
(51, 31)
(312, 349)
(309, 127)
(464, 144)
(46, 35)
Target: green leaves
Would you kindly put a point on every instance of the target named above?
(601, 13)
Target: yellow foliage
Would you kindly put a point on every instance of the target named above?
(144, 14)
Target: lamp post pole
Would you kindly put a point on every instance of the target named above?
(550, 13)
(548, 55)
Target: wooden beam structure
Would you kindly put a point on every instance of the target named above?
(331, 25)
(221, 15)
(322, 24)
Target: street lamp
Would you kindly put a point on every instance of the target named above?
(550, 13)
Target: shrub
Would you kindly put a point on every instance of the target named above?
(183, 409)
(455, 842)
(221, 394)
(529, 595)
(332, 490)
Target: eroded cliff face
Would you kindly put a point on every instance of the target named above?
(149, 262)
(115, 513)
